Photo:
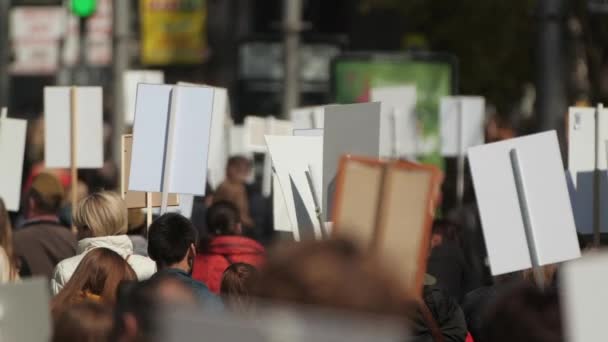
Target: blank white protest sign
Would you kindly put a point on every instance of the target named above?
(12, 149)
(552, 222)
(130, 80)
(172, 125)
(581, 165)
(461, 115)
(348, 129)
(291, 158)
(583, 284)
(308, 117)
(398, 132)
(57, 123)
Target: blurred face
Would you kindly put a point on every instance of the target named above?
(239, 172)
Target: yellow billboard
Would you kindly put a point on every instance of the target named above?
(173, 31)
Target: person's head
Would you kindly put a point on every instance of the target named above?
(331, 273)
(525, 313)
(238, 169)
(96, 278)
(139, 303)
(100, 214)
(6, 238)
(223, 219)
(237, 285)
(45, 196)
(171, 242)
(443, 231)
(84, 322)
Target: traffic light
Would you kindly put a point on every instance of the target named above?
(83, 8)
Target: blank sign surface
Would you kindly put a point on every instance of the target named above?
(12, 148)
(547, 198)
(469, 109)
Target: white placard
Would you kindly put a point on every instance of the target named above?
(308, 117)
(28, 299)
(255, 128)
(348, 129)
(57, 125)
(177, 136)
(312, 132)
(584, 297)
(552, 222)
(291, 157)
(398, 132)
(581, 166)
(130, 80)
(237, 142)
(461, 115)
(280, 216)
(12, 149)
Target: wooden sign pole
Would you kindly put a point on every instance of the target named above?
(461, 156)
(525, 214)
(73, 148)
(597, 179)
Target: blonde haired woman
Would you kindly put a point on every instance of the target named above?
(101, 221)
(8, 269)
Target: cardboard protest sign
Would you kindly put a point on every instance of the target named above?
(462, 120)
(171, 139)
(583, 158)
(131, 78)
(25, 311)
(584, 298)
(348, 129)
(136, 199)
(398, 125)
(12, 148)
(291, 158)
(308, 117)
(388, 207)
(523, 202)
(85, 105)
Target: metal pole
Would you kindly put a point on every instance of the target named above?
(122, 16)
(597, 178)
(292, 25)
(550, 81)
(4, 52)
(525, 215)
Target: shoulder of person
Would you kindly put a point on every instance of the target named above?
(144, 267)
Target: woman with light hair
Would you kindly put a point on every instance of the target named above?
(101, 221)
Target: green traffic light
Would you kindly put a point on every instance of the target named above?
(83, 8)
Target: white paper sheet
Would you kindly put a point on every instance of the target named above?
(130, 80)
(57, 125)
(12, 149)
(291, 157)
(349, 129)
(581, 166)
(188, 150)
(547, 198)
(451, 119)
(280, 217)
(398, 131)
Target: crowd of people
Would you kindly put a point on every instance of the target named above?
(110, 276)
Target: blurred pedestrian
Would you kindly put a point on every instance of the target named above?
(237, 286)
(83, 322)
(8, 263)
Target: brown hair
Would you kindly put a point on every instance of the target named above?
(237, 286)
(6, 239)
(97, 276)
(84, 322)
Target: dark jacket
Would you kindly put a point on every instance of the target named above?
(447, 263)
(200, 290)
(41, 245)
(223, 251)
(446, 313)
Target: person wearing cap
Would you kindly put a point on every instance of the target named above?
(42, 241)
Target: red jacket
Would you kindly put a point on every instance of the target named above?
(222, 252)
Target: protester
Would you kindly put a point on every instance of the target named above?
(172, 245)
(101, 221)
(447, 262)
(95, 279)
(139, 305)
(42, 242)
(84, 322)
(224, 246)
(8, 267)
(525, 313)
(233, 188)
(237, 286)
